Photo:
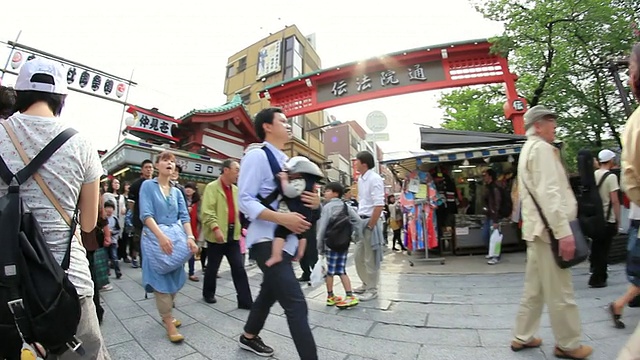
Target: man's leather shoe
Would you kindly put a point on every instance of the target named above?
(534, 343)
(210, 300)
(583, 352)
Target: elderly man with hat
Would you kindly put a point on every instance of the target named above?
(542, 177)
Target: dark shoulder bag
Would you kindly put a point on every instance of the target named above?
(582, 244)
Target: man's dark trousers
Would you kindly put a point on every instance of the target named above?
(215, 253)
(279, 284)
(310, 257)
(600, 255)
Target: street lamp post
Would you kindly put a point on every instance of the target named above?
(331, 124)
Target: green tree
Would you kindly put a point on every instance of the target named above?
(559, 49)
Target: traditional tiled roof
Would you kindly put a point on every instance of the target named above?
(235, 102)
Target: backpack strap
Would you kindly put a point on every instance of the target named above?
(602, 179)
(275, 169)
(30, 170)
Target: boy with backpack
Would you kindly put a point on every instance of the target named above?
(334, 235)
(114, 229)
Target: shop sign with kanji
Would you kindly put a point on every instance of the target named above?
(151, 124)
(372, 81)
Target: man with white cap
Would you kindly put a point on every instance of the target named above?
(73, 175)
(607, 183)
(542, 177)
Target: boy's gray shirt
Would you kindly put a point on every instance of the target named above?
(329, 210)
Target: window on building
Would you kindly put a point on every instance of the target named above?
(231, 70)
(242, 64)
(293, 58)
(296, 123)
(246, 97)
(355, 144)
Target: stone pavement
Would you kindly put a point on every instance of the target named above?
(418, 317)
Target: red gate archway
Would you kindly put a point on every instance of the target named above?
(429, 68)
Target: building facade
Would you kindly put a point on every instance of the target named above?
(279, 57)
(346, 140)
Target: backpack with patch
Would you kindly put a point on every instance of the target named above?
(590, 211)
(339, 229)
(38, 303)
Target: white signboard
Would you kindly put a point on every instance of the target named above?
(269, 59)
(154, 125)
(375, 137)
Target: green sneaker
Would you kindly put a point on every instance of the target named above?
(332, 300)
(349, 301)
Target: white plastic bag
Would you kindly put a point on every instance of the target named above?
(318, 273)
(495, 243)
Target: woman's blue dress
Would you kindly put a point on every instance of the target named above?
(170, 211)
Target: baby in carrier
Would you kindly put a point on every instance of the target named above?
(299, 175)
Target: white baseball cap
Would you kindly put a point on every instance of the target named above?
(606, 155)
(42, 66)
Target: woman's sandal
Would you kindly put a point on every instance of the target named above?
(617, 323)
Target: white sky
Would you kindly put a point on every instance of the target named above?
(178, 50)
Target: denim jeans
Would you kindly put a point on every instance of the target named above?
(113, 256)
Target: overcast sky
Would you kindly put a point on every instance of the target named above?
(178, 50)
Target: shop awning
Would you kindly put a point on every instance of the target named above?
(402, 162)
(438, 139)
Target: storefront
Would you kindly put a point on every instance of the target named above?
(447, 177)
(123, 162)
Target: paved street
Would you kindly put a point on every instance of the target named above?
(418, 316)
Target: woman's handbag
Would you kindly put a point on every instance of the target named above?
(160, 262)
(582, 244)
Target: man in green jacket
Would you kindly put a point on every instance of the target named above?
(220, 218)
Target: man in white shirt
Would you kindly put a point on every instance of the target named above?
(369, 249)
(608, 187)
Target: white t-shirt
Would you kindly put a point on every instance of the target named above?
(610, 185)
(74, 164)
(370, 192)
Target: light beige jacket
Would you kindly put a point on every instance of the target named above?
(630, 157)
(540, 170)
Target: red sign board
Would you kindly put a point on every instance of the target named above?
(430, 68)
(354, 170)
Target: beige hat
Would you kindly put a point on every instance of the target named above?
(536, 113)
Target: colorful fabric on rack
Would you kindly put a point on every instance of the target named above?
(419, 228)
(432, 233)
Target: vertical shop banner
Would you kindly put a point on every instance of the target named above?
(354, 170)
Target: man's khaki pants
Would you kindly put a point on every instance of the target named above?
(546, 283)
(631, 350)
(365, 262)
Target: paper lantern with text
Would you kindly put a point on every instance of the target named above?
(108, 86)
(120, 90)
(16, 60)
(71, 75)
(84, 79)
(95, 83)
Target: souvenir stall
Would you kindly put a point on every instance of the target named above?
(443, 192)
(419, 203)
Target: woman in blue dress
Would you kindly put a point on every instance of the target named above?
(167, 241)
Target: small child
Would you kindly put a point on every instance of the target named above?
(336, 259)
(114, 229)
(300, 175)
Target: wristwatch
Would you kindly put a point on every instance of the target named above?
(191, 237)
